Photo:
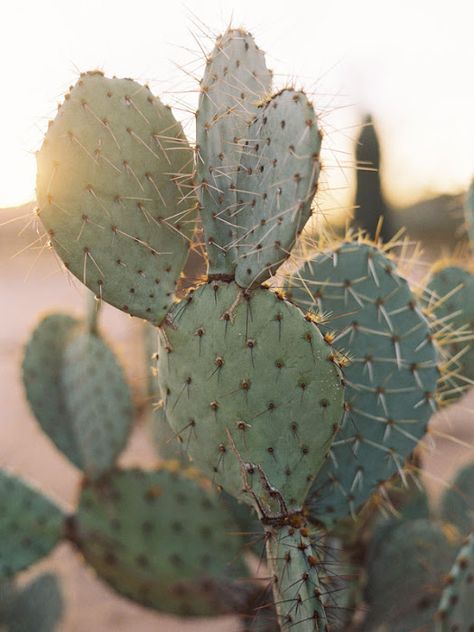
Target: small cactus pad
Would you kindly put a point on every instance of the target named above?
(457, 502)
(98, 402)
(36, 608)
(297, 590)
(235, 80)
(30, 525)
(276, 184)
(405, 578)
(115, 193)
(42, 366)
(78, 393)
(251, 387)
(450, 295)
(163, 540)
(391, 378)
(456, 609)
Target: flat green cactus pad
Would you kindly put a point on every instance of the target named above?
(42, 366)
(30, 526)
(249, 383)
(36, 608)
(163, 540)
(115, 193)
(390, 382)
(78, 393)
(405, 578)
(450, 295)
(235, 80)
(98, 402)
(457, 502)
(456, 609)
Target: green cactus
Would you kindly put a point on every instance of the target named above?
(162, 539)
(38, 607)
(449, 294)
(456, 608)
(115, 179)
(390, 381)
(78, 392)
(30, 527)
(469, 211)
(457, 502)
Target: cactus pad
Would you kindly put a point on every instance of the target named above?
(30, 526)
(249, 383)
(456, 609)
(98, 402)
(457, 502)
(38, 607)
(450, 295)
(163, 540)
(42, 366)
(115, 193)
(235, 80)
(390, 381)
(403, 597)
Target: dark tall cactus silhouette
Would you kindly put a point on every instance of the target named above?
(369, 201)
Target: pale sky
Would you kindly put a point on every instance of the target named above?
(410, 63)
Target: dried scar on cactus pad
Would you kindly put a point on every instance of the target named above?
(115, 193)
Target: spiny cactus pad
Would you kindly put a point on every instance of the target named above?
(235, 80)
(390, 381)
(42, 366)
(406, 576)
(115, 193)
(247, 380)
(78, 392)
(98, 402)
(457, 502)
(30, 525)
(38, 607)
(456, 609)
(163, 540)
(297, 589)
(450, 295)
(276, 184)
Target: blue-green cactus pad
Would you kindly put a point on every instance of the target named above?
(36, 608)
(30, 525)
(248, 382)
(390, 382)
(115, 193)
(457, 502)
(162, 539)
(456, 608)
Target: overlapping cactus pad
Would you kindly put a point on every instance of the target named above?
(457, 502)
(450, 295)
(78, 392)
(456, 610)
(247, 380)
(165, 541)
(257, 162)
(392, 375)
(115, 194)
(30, 525)
(405, 577)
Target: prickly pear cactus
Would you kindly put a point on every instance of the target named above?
(450, 296)
(405, 577)
(78, 392)
(248, 382)
(162, 539)
(30, 526)
(391, 378)
(457, 502)
(456, 609)
(114, 178)
(38, 607)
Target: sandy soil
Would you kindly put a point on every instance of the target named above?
(32, 282)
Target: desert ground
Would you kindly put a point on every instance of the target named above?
(32, 283)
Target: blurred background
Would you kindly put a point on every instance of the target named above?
(392, 83)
